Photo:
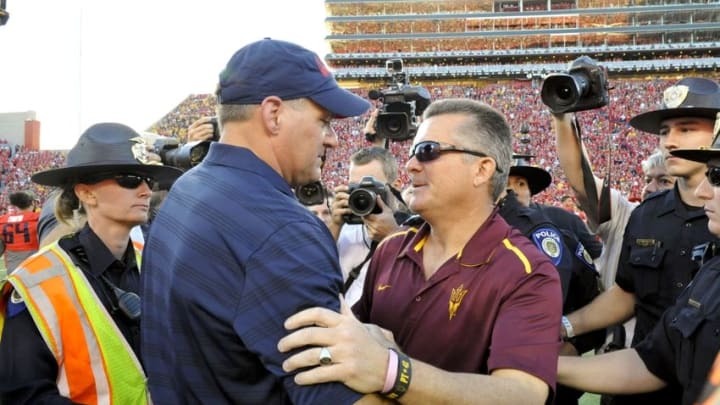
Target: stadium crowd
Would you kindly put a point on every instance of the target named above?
(17, 165)
(520, 101)
(214, 328)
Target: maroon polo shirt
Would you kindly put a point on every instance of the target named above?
(496, 304)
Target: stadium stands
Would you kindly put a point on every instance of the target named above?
(605, 130)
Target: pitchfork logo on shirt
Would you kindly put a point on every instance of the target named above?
(456, 297)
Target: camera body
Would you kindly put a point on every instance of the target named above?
(583, 87)
(216, 129)
(362, 200)
(183, 156)
(311, 194)
(402, 104)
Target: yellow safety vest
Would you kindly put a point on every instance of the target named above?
(96, 365)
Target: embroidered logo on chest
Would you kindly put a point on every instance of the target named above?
(456, 297)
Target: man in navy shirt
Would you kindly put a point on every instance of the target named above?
(232, 253)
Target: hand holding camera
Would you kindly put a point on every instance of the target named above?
(204, 129)
(364, 203)
(362, 199)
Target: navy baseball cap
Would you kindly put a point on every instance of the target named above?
(277, 68)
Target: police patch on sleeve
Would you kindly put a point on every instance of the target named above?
(548, 240)
(584, 256)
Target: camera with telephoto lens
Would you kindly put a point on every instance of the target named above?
(362, 200)
(183, 156)
(311, 194)
(402, 104)
(583, 87)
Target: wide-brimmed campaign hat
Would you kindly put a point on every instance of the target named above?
(277, 68)
(703, 153)
(107, 148)
(689, 97)
(538, 179)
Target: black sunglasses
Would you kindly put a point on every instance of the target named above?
(713, 175)
(427, 151)
(128, 181)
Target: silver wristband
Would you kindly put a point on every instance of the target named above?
(569, 332)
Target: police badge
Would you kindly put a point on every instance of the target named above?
(675, 95)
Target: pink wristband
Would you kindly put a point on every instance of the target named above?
(391, 372)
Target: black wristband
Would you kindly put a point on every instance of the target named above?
(403, 376)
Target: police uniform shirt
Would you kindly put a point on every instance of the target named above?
(28, 369)
(575, 225)
(682, 347)
(656, 258)
(578, 276)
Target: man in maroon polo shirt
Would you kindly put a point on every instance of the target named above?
(469, 299)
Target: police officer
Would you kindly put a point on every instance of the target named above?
(680, 349)
(527, 181)
(655, 262)
(578, 276)
(69, 315)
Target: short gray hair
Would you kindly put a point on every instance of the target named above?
(243, 112)
(655, 160)
(382, 155)
(485, 130)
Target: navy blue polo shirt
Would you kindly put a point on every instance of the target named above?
(230, 255)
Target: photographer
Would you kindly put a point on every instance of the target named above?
(681, 347)
(356, 240)
(655, 263)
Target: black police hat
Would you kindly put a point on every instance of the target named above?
(103, 148)
(538, 179)
(690, 97)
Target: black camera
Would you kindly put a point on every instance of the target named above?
(216, 129)
(362, 200)
(182, 156)
(402, 104)
(311, 194)
(583, 87)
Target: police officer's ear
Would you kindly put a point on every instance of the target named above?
(84, 194)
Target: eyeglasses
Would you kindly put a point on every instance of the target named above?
(427, 151)
(128, 181)
(713, 175)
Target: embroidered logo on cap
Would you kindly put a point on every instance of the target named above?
(321, 67)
